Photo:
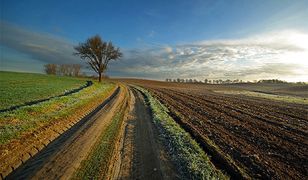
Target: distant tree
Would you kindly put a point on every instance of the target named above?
(276, 81)
(51, 69)
(63, 69)
(76, 69)
(98, 53)
(205, 81)
(236, 81)
(302, 83)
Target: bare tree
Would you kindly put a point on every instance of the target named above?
(76, 69)
(50, 68)
(98, 53)
(64, 69)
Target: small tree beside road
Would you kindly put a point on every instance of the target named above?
(97, 54)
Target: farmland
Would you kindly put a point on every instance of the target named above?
(36, 125)
(19, 88)
(186, 153)
(154, 90)
(141, 129)
(256, 137)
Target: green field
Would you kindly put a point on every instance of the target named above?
(19, 88)
(27, 118)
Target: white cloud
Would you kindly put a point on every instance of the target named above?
(274, 55)
(282, 55)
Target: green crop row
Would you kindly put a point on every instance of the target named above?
(187, 155)
(28, 118)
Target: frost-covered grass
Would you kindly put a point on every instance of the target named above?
(284, 98)
(188, 156)
(28, 118)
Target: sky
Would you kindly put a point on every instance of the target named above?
(213, 39)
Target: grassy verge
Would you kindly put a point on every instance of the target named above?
(27, 119)
(19, 88)
(188, 156)
(284, 98)
(97, 164)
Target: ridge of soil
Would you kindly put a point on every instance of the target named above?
(265, 138)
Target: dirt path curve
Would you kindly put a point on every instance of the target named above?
(142, 155)
(62, 157)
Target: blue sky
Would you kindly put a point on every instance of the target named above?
(160, 39)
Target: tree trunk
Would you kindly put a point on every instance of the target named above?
(99, 77)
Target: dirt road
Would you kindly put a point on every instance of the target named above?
(62, 157)
(142, 155)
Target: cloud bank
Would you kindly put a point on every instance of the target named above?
(280, 55)
(43, 47)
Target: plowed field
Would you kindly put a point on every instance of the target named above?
(263, 138)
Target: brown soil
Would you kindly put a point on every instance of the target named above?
(60, 159)
(142, 155)
(264, 138)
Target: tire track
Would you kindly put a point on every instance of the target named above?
(56, 158)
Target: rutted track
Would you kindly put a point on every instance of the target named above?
(62, 156)
(264, 138)
(143, 155)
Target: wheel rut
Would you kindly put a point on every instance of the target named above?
(143, 156)
(60, 158)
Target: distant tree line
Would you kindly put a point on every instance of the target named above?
(63, 69)
(228, 81)
(206, 81)
(273, 81)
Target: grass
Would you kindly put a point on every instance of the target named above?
(97, 164)
(188, 156)
(284, 98)
(28, 118)
(19, 88)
